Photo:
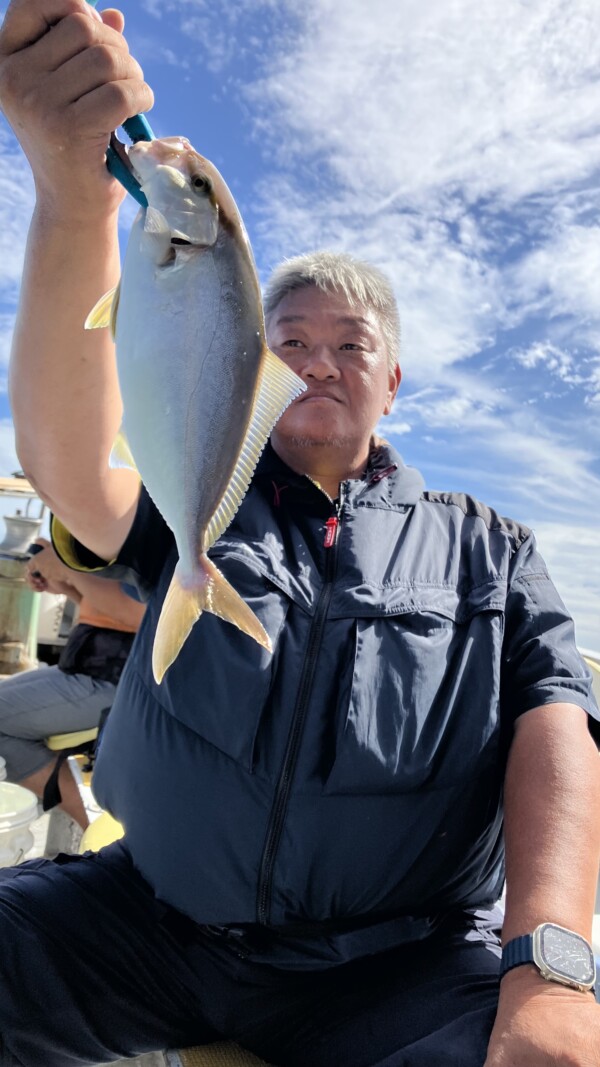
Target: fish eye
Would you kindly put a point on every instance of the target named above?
(201, 184)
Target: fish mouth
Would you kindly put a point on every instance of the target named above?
(177, 238)
(120, 150)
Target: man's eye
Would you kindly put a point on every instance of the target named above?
(352, 346)
(292, 342)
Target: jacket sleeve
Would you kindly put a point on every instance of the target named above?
(141, 559)
(540, 660)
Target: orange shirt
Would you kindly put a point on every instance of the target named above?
(89, 615)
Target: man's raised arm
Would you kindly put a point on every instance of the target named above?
(66, 81)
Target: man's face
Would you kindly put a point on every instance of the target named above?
(339, 352)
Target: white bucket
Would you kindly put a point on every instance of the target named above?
(18, 809)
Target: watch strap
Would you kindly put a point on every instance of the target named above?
(516, 952)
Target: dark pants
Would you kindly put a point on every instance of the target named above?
(93, 968)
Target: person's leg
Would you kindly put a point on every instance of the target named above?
(429, 1005)
(70, 801)
(92, 967)
(36, 704)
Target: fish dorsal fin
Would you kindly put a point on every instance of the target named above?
(121, 455)
(277, 387)
(104, 313)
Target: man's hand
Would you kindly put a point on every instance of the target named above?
(45, 569)
(66, 81)
(543, 1024)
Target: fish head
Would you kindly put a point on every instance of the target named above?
(180, 188)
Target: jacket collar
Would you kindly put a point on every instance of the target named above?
(386, 476)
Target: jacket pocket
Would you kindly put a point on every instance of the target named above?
(224, 677)
(423, 708)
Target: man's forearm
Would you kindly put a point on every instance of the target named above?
(107, 597)
(552, 822)
(63, 382)
(58, 370)
(552, 830)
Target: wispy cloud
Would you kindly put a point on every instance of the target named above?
(225, 34)
(408, 100)
(536, 466)
(16, 205)
(8, 456)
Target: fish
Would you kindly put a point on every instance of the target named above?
(201, 390)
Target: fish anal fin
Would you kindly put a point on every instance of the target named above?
(183, 607)
(121, 455)
(277, 387)
(104, 313)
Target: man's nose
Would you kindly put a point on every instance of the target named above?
(321, 364)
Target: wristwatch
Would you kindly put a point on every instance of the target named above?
(560, 955)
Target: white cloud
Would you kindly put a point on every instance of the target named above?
(548, 355)
(571, 368)
(8, 456)
(532, 464)
(398, 429)
(16, 205)
(561, 276)
(594, 386)
(407, 99)
(7, 322)
(222, 34)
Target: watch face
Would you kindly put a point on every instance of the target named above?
(566, 954)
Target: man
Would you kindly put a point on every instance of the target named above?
(72, 695)
(311, 836)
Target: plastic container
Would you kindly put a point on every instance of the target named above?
(20, 532)
(18, 809)
(19, 605)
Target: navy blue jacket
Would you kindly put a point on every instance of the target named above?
(353, 777)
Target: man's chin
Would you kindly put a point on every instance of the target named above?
(317, 440)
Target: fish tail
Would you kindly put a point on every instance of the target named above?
(183, 607)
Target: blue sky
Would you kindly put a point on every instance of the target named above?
(457, 146)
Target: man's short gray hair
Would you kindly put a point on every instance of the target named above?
(361, 283)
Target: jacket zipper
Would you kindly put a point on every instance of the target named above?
(278, 813)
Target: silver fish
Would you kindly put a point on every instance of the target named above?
(201, 391)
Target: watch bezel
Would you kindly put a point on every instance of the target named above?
(548, 972)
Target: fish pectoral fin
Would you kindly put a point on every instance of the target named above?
(121, 455)
(276, 388)
(155, 222)
(183, 607)
(156, 236)
(104, 313)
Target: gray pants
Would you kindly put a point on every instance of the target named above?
(38, 703)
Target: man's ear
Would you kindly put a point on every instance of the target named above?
(395, 377)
